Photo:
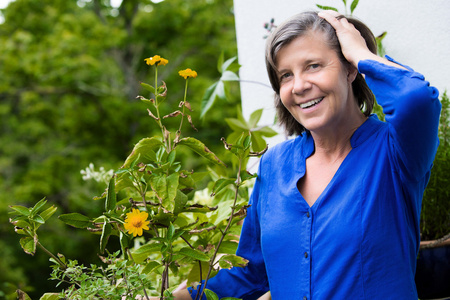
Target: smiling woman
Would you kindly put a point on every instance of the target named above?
(325, 35)
(325, 202)
(315, 86)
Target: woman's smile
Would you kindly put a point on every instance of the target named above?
(315, 86)
(311, 103)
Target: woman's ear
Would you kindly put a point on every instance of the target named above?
(351, 73)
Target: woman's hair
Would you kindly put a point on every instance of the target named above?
(300, 25)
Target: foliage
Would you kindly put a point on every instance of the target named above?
(70, 72)
(435, 216)
(149, 206)
(217, 91)
(353, 5)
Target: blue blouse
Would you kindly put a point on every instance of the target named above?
(360, 239)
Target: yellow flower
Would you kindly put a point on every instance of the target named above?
(187, 73)
(136, 221)
(158, 60)
(163, 62)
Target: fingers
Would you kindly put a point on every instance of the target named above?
(336, 20)
(353, 45)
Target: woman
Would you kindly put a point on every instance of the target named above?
(335, 211)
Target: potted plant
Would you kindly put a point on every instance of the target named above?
(433, 262)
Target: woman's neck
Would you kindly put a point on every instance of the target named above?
(335, 143)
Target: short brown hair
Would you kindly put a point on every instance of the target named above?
(300, 25)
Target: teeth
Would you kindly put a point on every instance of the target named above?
(311, 103)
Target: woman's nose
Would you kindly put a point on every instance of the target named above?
(301, 84)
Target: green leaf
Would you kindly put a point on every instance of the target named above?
(21, 223)
(237, 125)
(150, 267)
(38, 206)
(171, 191)
(266, 131)
(258, 142)
(229, 76)
(210, 295)
(214, 92)
(38, 219)
(124, 242)
(353, 6)
(159, 185)
(46, 214)
(194, 274)
(246, 176)
(142, 147)
(28, 245)
(106, 232)
(228, 247)
(255, 117)
(75, 219)
(144, 251)
(217, 89)
(148, 87)
(221, 184)
(123, 181)
(228, 65)
(326, 7)
(24, 211)
(220, 62)
(230, 260)
(196, 254)
(247, 142)
(110, 202)
(200, 148)
(50, 296)
(171, 157)
(180, 201)
(170, 232)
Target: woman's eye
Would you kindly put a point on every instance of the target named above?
(313, 66)
(285, 76)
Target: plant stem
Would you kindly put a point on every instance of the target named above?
(199, 265)
(166, 142)
(184, 101)
(211, 262)
(165, 279)
(63, 265)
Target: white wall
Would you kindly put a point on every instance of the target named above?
(418, 35)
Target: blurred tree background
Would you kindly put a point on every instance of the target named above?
(70, 73)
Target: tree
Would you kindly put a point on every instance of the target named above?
(70, 73)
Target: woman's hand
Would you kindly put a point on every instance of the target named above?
(352, 43)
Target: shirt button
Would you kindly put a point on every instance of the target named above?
(306, 254)
(307, 214)
(305, 298)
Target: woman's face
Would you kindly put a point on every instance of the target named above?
(315, 87)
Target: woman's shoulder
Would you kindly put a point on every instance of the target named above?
(284, 148)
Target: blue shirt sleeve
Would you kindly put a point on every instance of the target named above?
(251, 281)
(412, 111)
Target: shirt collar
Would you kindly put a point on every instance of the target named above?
(370, 126)
(367, 129)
